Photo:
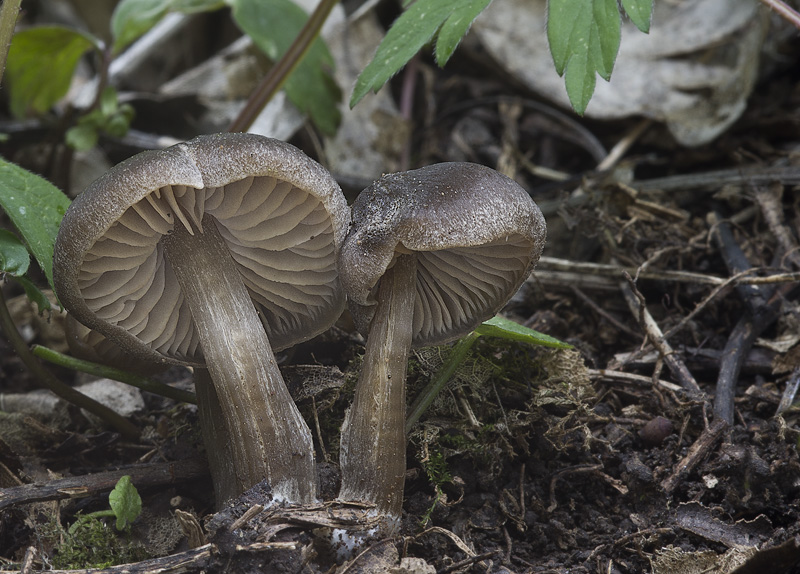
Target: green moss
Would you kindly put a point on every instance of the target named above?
(95, 544)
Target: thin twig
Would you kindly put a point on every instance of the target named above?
(676, 366)
(697, 452)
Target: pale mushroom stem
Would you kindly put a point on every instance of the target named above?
(268, 437)
(373, 445)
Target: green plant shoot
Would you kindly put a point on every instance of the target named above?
(494, 327)
(125, 503)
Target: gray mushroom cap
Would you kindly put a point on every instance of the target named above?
(476, 234)
(281, 214)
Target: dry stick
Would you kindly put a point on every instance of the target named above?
(578, 268)
(697, 452)
(635, 302)
(142, 475)
(763, 308)
(769, 200)
(188, 562)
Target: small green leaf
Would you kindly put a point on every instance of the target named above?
(82, 137)
(640, 12)
(584, 37)
(605, 36)
(456, 27)
(273, 26)
(34, 294)
(125, 502)
(579, 81)
(14, 257)
(132, 18)
(35, 207)
(505, 329)
(410, 32)
(41, 62)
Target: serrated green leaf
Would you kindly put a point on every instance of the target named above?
(40, 65)
(410, 32)
(273, 26)
(34, 294)
(35, 207)
(456, 27)
(14, 256)
(640, 12)
(125, 502)
(501, 327)
(132, 18)
(584, 37)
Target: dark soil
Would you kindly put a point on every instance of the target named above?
(634, 452)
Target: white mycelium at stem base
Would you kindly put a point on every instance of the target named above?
(269, 438)
(373, 446)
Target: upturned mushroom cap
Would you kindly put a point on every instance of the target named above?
(281, 214)
(476, 234)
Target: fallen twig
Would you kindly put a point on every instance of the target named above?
(142, 475)
(697, 452)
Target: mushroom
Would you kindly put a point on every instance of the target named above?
(431, 253)
(212, 253)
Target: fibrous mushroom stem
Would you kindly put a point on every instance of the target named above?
(373, 445)
(216, 438)
(268, 437)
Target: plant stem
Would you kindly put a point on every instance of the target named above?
(8, 20)
(283, 68)
(373, 446)
(46, 378)
(107, 372)
(784, 11)
(456, 357)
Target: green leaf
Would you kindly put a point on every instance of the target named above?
(410, 32)
(273, 26)
(605, 36)
(34, 294)
(503, 328)
(132, 18)
(35, 207)
(584, 37)
(41, 62)
(14, 257)
(456, 27)
(82, 137)
(125, 502)
(640, 12)
(579, 81)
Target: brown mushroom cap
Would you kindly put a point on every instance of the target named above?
(280, 213)
(476, 235)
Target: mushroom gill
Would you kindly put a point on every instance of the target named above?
(262, 218)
